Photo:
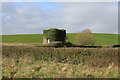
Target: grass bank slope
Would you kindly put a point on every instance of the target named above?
(24, 38)
(100, 39)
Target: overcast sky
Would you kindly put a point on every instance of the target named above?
(34, 17)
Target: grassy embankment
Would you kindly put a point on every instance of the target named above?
(100, 39)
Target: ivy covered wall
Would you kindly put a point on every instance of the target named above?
(54, 34)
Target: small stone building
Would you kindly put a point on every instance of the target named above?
(54, 34)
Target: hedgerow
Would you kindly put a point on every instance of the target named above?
(95, 57)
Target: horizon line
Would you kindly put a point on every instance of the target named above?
(42, 33)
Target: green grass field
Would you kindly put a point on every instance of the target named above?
(100, 39)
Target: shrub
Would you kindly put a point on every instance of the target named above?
(84, 38)
(68, 44)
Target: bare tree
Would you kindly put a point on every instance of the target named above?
(87, 31)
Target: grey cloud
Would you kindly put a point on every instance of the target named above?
(74, 17)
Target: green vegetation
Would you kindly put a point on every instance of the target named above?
(55, 34)
(44, 62)
(100, 39)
